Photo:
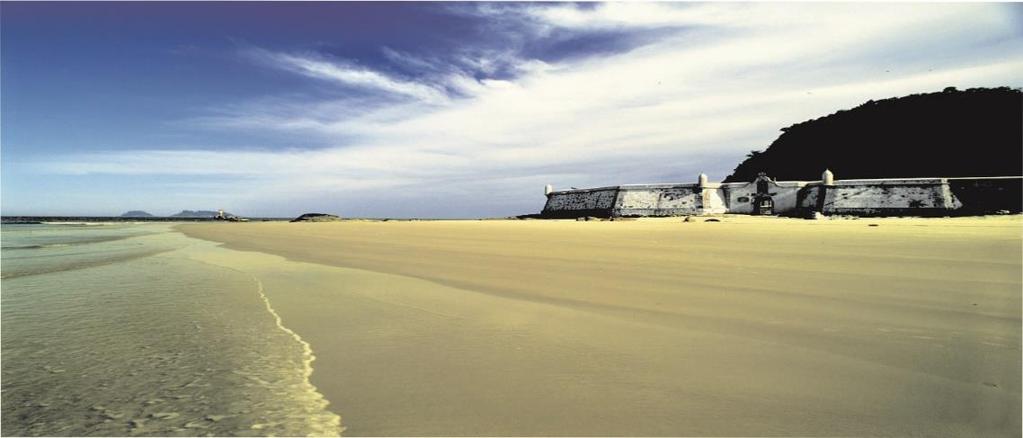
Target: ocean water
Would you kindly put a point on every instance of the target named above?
(119, 329)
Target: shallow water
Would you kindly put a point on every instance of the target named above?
(121, 330)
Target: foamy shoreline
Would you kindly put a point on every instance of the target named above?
(128, 331)
(749, 326)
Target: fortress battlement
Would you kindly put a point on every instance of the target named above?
(937, 196)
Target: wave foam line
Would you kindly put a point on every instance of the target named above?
(307, 358)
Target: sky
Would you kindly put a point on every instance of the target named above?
(441, 110)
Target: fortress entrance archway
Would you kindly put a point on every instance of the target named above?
(763, 203)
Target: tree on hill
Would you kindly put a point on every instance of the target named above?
(976, 132)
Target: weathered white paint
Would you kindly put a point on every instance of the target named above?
(661, 201)
(714, 201)
(581, 202)
(884, 196)
(903, 196)
(739, 197)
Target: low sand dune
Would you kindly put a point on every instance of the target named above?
(748, 326)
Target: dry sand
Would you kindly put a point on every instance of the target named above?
(748, 326)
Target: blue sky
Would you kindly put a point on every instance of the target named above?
(440, 109)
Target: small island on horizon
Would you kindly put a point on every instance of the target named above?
(199, 214)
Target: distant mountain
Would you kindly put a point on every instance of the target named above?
(197, 214)
(976, 132)
(136, 213)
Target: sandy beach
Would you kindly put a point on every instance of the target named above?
(747, 326)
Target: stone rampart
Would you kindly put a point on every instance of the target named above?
(863, 197)
(890, 197)
(658, 200)
(581, 202)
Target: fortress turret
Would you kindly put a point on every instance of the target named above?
(828, 178)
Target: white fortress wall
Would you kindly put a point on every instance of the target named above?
(715, 200)
(738, 197)
(581, 202)
(742, 197)
(809, 197)
(880, 196)
(658, 200)
(861, 197)
(786, 195)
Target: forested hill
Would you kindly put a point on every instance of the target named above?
(976, 132)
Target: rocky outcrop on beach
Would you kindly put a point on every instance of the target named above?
(136, 213)
(952, 133)
(316, 217)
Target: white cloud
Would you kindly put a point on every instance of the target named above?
(696, 100)
(350, 74)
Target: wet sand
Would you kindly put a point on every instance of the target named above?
(748, 326)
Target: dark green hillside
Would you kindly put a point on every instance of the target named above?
(976, 132)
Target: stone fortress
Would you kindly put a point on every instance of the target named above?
(765, 196)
